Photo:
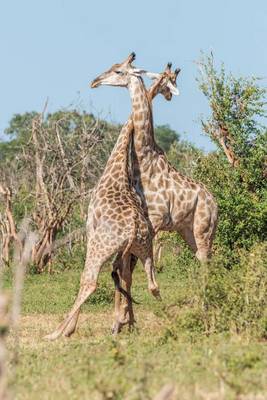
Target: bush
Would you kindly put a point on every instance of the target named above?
(236, 173)
(214, 299)
(242, 213)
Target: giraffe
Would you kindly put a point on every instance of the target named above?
(171, 201)
(116, 222)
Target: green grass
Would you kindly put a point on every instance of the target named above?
(170, 343)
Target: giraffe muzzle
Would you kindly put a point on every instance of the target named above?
(95, 83)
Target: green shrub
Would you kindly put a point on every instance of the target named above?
(242, 213)
(215, 299)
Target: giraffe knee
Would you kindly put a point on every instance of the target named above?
(155, 291)
(202, 255)
(86, 289)
(92, 287)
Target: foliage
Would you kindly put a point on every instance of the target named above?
(184, 157)
(165, 136)
(213, 299)
(242, 213)
(236, 174)
(18, 133)
(237, 106)
(78, 131)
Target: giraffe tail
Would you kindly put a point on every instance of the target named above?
(116, 280)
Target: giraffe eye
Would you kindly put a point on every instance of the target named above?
(119, 72)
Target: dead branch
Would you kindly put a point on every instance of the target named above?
(64, 158)
(59, 166)
(7, 225)
(41, 190)
(75, 236)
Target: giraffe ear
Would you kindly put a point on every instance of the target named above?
(152, 75)
(173, 89)
(137, 72)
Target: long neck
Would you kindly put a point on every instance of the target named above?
(117, 164)
(142, 122)
(141, 116)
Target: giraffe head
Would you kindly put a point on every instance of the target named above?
(118, 74)
(167, 81)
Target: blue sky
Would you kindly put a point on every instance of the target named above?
(54, 48)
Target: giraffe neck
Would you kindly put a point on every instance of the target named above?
(141, 115)
(143, 134)
(119, 159)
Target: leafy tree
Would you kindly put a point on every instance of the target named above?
(184, 157)
(242, 213)
(18, 133)
(237, 173)
(165, 136)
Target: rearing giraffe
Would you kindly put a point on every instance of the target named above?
(116, 221)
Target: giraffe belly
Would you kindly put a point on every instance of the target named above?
(154, 199)
(168, 204)
(157, 210)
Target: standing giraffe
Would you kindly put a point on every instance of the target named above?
(116, 222)
(171, 201)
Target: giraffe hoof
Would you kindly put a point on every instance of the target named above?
(116, 329)
(156, 293)
(68, 332)
(159, 298)
(51, 336)
(117, 326)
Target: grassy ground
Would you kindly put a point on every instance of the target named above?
(94, 365)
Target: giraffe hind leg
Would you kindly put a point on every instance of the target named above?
(188, 236)
(88, 285)
(198, 239)
(203, 234)
(85, 291)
